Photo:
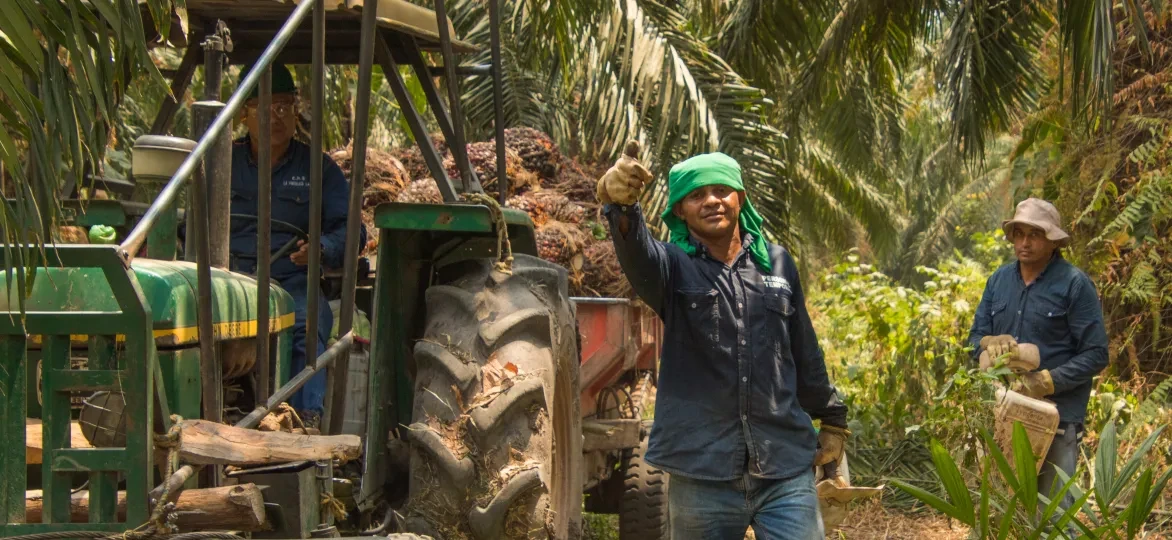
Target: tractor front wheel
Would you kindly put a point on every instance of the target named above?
(496, 433)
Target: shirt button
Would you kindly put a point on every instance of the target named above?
(1049, 313)
(744, 379)
(1019, 312)
(740, 305)
(693, 304)
(744, 417)
(743, 342)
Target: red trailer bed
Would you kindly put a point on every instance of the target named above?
(618, 337)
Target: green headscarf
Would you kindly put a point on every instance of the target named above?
(708, 170)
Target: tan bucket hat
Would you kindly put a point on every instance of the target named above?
(1040, 214)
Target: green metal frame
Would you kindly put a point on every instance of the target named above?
(132, 373)
(414, 239)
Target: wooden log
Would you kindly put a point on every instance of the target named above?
(228, 508)
(32, 439)
(209, 443)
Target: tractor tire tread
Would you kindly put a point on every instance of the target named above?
(643, 509)
(495, 354)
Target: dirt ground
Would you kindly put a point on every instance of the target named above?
(866, 522)
(873, 521)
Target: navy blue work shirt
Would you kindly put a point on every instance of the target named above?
(1060, 313)
(290, 203)
(741, 373)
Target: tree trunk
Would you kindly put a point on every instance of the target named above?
(229, 508)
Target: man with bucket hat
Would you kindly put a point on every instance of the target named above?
(741, 374)
(1044, 300)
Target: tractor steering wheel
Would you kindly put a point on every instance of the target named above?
(298, 234)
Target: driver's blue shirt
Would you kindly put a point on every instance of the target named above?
(290, 203)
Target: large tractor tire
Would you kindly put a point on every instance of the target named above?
(643, 513)
(496, 432)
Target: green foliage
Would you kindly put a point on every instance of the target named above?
(1156, 403)
(899, 353)
(1010, 506)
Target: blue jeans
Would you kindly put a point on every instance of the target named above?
(722, 510)
(1063, 454)
(312, 396)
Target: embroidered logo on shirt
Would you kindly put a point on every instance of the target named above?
(775, 282)
(297, 181)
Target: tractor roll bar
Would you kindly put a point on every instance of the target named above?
(264, 234)
(339, 371)
(134, 241)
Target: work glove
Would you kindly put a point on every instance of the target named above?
(624, 181)
(998, 346)
(831, 441)
(1026, 359)
(1036, 384)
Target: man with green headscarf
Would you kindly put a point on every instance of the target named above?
(741, 375)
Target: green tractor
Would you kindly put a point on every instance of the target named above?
(115, 340)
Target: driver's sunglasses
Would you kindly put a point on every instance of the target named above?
(278, 109)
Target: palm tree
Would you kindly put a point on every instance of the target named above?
(809, 95)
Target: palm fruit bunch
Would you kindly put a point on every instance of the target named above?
(537, 150)
(423, 190)
(482, 156)
(382, 167)
(562, 244)
(602, 275)
(547, 204)
(574, 183)
(556, 192)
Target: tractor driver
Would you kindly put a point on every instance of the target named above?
(290, 203)
(742, 374)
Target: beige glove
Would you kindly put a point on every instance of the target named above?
(998, 346)
(624, 181)
(831, 441)
(1037, 384)
(1027, 359)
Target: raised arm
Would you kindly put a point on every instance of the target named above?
(645, 261)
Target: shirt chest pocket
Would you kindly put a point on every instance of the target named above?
(243, 202)
(999, 317)
(702, 313)
(778, 309)
(291, 205)
(1049, 320)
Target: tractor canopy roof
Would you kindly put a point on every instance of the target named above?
(253, 23)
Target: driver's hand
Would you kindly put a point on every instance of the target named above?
(301, 256)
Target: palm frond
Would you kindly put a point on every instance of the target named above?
(991, 70)
(837, 202)
(932, 240)
(645, 77)
(764, 39)
(65, 65)
(1089, 38)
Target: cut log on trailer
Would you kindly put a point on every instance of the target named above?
(229, 508)
(33, 439)
(209, 443)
